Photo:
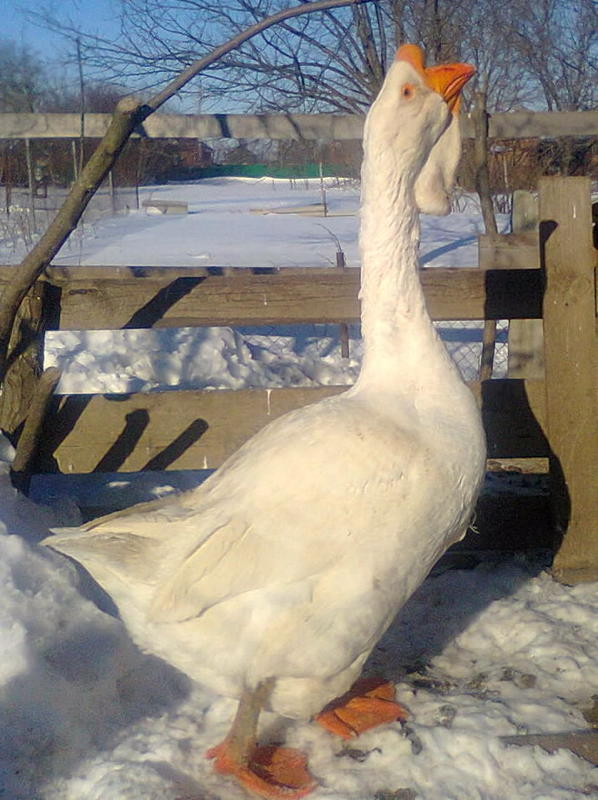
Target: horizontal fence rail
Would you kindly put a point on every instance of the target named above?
(507, 125)
(100, 298)
(199, 429)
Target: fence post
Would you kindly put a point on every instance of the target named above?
(526, 338)
(30, 180)
(571, 360)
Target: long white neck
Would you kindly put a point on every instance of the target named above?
(401, 347)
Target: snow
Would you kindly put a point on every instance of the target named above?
(476, 654)
(223, 228)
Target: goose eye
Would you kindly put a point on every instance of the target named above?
(407, 91)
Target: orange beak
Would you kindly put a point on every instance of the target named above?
(446, 79)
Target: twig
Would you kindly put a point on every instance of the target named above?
(216, 54)
(583, 743)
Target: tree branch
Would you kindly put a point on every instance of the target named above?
(174, 86)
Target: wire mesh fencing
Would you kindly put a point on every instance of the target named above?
(24, 216)
(317, 348)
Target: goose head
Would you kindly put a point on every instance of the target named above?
(405, 120)
(412, 128)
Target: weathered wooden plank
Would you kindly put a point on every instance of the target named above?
(191, 126)
(160, 430)
(526, 336)
(571, 373)
(535, 465)
(244, 297)
(167, 206)
(195, 430)
(512, 251)
(572, 577)
(238, 299)
(524, 211)
(510, 125)
(470, 294)
(526, 348)
(543, 124)
(509, 251)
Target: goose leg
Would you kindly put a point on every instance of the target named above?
(370, 702)
(271, 772)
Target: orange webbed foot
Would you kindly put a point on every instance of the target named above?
(274, 773)
(370, 702)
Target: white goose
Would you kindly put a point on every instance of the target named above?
(273, 581)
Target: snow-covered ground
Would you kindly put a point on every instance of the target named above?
(226, 226)
(478, 654)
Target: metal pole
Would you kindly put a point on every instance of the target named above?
(30, 179)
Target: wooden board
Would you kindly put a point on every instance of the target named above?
(247, 297)
(160, 430)
(509, 251)
(543, 124)
(512, 251)
(166, 206)
(327, 127)
(571, 367)
(237, 299)
(526, 348)
(198, 430)
(533, 465)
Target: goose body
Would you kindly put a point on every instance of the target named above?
(288, 564)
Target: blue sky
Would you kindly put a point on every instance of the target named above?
(93, 16)
(96, 16)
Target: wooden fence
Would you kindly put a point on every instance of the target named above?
(320, 127)
(531, 425)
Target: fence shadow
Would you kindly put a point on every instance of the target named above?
(65, 414)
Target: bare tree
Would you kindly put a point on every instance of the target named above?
(22, 78)
(332, 62)
(556, 43)
(500, 76)
(534, 54)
